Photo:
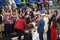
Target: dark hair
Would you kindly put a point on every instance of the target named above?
(56, 12)
(0, 11)
(47, 12)
(58, 20)
(54, 22)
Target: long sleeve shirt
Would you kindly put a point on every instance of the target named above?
(41, 25)
(20, 24)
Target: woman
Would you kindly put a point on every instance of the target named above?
(7, 22)
(53, 30)
(36, 14)
(48, 14)
(54, 26)
(48, 31)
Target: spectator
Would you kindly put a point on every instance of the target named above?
(53, 16)
(53, 30)
(20, 24)
(54, 26)
(39, 4)
(45, 28)
(7, 23)
(40, 28)
(48, 14)
(37, 13)
(48, 31)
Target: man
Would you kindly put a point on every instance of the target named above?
(20, 27)
(39, 3)
(40, 28)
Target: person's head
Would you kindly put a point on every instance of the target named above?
(36, 9)
(55, 13)
(47, 12)
(8, 11)
(42, 15)
(0, 11)
(13, 8)
(21, 15)
(20, 9)
(28, 9)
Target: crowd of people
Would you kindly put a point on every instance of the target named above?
(33, 24)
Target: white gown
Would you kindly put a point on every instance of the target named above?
(45, 28)
(35, 35)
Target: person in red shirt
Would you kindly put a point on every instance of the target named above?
(20, 26)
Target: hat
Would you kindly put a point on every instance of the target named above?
(43, 14)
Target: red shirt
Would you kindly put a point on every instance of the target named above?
(20, 24)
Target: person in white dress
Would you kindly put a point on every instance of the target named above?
(35, 35)
(45, 28)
